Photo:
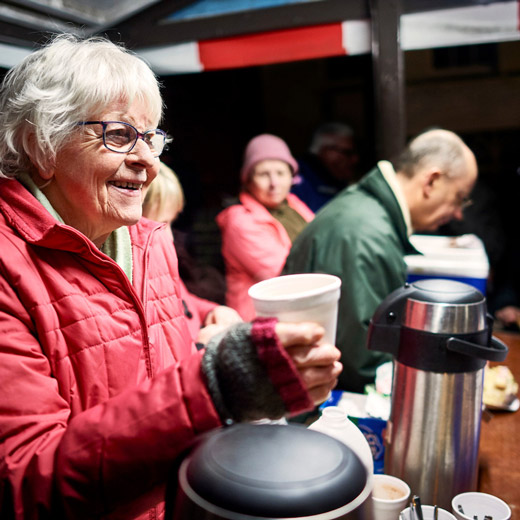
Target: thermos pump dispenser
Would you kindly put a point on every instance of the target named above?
(440, 335)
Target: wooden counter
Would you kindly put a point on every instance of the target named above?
(499, 467)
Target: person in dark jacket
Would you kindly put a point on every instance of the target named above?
(362, 236)
(329, 166)
(102, 388)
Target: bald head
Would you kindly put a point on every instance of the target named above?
(437, 172)
(435, 149)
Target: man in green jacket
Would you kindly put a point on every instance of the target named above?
(362, 236)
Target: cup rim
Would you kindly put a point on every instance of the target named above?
(379, 476)
(429, 507)
(334, 283)
(479, 493)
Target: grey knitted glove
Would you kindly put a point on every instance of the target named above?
(237, 380)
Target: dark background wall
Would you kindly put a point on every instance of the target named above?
(212, 115)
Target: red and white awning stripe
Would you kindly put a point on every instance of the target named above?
(301, 43)
(495, 22)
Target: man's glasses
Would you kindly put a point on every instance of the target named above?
(121, 137)
(463, 202)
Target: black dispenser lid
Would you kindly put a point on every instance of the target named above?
(436, 324)
(445, 307)
(274, 471)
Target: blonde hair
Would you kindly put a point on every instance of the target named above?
(165, 191)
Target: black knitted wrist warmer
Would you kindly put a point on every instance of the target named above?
(237, 380)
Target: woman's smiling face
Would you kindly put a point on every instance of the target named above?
(96, 190)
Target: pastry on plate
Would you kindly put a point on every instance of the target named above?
(500, 387)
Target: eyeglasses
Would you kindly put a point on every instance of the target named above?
(464, 202)
(121, 137)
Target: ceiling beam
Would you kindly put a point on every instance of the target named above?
(149, 27)
(389, 82)
(239, 23)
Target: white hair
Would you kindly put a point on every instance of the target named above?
(327, 134)
(68, 80)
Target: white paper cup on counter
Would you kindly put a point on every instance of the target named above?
(427, 511)
(389, 497)
(300, 297)
(466, 506)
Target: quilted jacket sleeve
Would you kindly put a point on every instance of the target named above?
(196, 304)
(196, 310)
(103, 455)
(126, 446)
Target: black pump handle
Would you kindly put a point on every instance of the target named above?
(497, 352)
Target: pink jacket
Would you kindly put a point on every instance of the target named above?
(88, 409)
(198, 309)
(254, 246)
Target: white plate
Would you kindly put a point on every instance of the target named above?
(513, 406)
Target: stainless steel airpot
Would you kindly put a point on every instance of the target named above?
(440, 335)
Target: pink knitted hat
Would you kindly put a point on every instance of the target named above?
(266, 146)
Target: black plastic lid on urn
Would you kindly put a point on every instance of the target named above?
(272, 471)
(437, 325)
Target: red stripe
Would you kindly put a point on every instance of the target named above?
(272, 47)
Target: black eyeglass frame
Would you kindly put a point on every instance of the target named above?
(138, 135)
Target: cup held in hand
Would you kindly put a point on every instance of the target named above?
(300, 297)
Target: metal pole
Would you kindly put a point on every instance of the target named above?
(389, 84)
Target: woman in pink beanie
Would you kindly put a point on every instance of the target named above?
(257, 233)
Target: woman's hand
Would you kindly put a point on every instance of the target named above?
(222, 315)
(217, 320)
(318, 365)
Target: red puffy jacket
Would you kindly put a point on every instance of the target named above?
(196, 309)
(88, 412)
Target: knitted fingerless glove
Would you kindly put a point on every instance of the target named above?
(250, 376)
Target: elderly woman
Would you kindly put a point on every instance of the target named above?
(257, 233)
(163, 201)
(101, 385)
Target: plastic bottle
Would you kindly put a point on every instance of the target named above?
(335, 422)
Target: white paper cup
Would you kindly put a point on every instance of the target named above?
(479, 504)
(300, 297)
(389, 496)
(428, 513)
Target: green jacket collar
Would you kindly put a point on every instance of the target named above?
(375, 184)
